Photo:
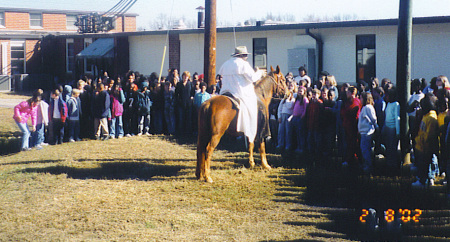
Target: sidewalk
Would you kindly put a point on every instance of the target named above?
(9, 103)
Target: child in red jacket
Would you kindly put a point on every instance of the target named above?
(313, 116)
(350, 114)
(57, 114)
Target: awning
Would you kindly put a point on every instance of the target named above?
(98, 49)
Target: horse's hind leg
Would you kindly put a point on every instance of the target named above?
(202, 144)
(251, 159)
(215, 139)
(201, 159)
(262, 152)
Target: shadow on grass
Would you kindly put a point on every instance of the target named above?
(113, 171)
(340, 194)
(10, 143)
(238, 162)
(30, 162)
(227, 142)
(143, 160)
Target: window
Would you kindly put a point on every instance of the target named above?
(70, 21)
(35, 20)
(88, 62)
(365, 57)
(18, 57)
(70, 55)
(2, 19)
(260, 53)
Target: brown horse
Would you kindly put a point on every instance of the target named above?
(217, 116)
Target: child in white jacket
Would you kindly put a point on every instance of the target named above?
(367, 124)
(285, 110)
(38, 137)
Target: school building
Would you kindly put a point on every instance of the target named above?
(24, 56)
(349, 50)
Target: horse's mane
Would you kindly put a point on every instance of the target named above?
(264, 84)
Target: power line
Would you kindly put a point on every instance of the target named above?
(129, 4)
(115, 7)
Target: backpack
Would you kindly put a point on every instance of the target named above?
(145, 103)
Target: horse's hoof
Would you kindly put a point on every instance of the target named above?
(209, 180)
(267, 167)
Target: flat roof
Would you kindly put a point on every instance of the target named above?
(37, 10)
(319, 25)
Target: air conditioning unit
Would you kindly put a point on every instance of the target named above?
(302, 57)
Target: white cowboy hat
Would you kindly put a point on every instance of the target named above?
(240, 50)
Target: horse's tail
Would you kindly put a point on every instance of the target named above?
(204, 122)
(204, 135)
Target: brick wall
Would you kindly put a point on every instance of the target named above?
(118, 24)
(78, 45)
(30, 47)
(54, 22)
(174, 51)
(21, 21)
(17, 21)
(130, 24)
(33, 56)
(60, 58)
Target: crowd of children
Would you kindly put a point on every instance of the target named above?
(312, 119)
(114, 108)
(364, 121)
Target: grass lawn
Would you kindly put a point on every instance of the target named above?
(144, 189)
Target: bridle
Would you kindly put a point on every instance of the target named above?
(277, 84)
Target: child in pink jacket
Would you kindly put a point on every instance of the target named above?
(22, 112)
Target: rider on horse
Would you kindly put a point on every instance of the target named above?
(238, 79)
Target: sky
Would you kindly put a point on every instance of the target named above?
(234, 11)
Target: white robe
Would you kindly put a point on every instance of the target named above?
(238, 78)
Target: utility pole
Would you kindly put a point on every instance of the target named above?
(209, 66)
(404, 70)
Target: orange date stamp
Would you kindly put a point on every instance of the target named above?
(406, 215)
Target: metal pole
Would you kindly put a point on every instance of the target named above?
(209, 67)
(404, 70)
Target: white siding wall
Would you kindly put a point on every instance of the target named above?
(146, 53)
(339, 55)
(386, 53)
(431, 50)
(278, 42)
(191, 56)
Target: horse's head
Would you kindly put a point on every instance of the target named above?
(280, 87)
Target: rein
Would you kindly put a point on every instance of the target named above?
(277, 84)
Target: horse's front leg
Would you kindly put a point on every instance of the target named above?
(262, 152)
(251, 159)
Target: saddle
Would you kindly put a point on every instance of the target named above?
(233, 99)
(263, 130)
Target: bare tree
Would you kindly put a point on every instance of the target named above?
(224, 23)
(160, 22)
(190, 23)
(285, 17)
(338, 17)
